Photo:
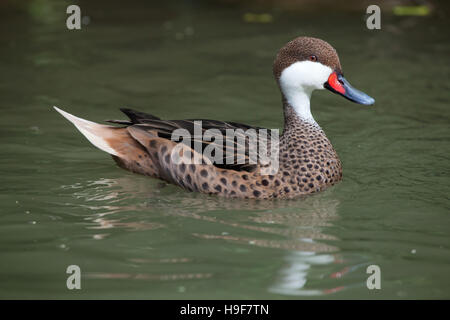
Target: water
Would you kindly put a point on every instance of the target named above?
(64, 202)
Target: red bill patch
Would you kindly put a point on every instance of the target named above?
(335, 84)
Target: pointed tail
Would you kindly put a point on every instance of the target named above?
(98, 134)
(117, 141)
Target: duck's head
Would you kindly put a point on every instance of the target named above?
(306, 64)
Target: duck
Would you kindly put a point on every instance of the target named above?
(304, 160)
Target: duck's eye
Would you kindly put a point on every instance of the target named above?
(313, 58)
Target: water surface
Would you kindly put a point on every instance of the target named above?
(64, 202)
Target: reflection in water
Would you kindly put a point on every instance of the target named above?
(300, 223)
(108, 190)
(297, 222)
(293, 277)
(295, 227)
(146, 276)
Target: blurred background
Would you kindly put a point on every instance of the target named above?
(63, 202)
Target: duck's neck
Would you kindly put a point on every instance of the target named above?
(301, 103)
(297, 110)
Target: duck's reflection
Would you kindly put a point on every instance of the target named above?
(311, 265)
(299, 224)
(293, 277)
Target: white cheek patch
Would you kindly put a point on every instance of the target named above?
(297, 83)
(307, 74)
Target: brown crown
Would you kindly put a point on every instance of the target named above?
(301, 49)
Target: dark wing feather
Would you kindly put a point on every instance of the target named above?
(165, 128)
(135, 117)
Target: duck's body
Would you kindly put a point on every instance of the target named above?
(307, 162)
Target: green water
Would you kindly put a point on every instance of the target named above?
(64, 202)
